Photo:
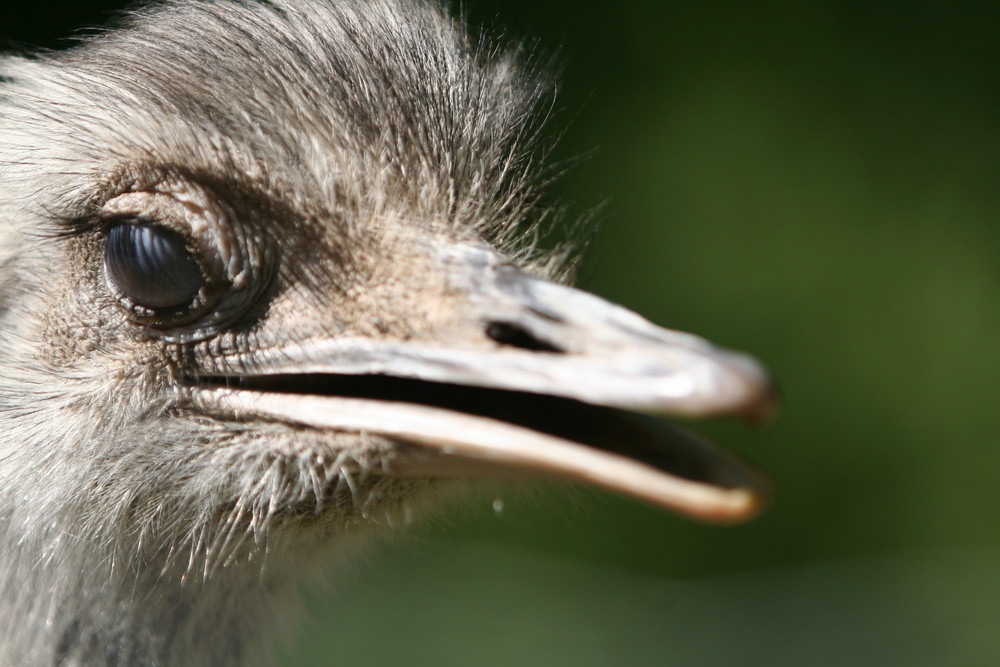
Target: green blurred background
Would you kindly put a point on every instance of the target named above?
(814, 182)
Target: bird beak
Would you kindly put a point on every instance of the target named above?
(546, 379)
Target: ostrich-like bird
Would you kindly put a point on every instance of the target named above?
(262, 289)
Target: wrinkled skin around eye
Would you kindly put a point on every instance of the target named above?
(151, 266)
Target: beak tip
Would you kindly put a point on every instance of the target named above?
(763, 407)
(741, 506)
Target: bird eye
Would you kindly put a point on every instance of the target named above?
(151, 266)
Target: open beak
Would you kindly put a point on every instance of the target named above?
(553, 381)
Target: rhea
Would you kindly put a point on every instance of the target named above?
(266, 285)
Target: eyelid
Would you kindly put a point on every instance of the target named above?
(197, 214)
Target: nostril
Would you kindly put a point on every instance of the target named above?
(515, 335)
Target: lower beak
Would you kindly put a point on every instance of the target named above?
(554, 384)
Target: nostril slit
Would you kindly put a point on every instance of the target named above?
(514, 335)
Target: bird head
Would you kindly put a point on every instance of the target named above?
(264, 269)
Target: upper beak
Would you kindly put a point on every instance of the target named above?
(542, 378)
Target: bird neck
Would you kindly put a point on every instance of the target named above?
(82, 611)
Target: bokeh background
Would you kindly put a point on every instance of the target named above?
(815, 182)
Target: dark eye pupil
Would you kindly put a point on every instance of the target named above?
(152, 266)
